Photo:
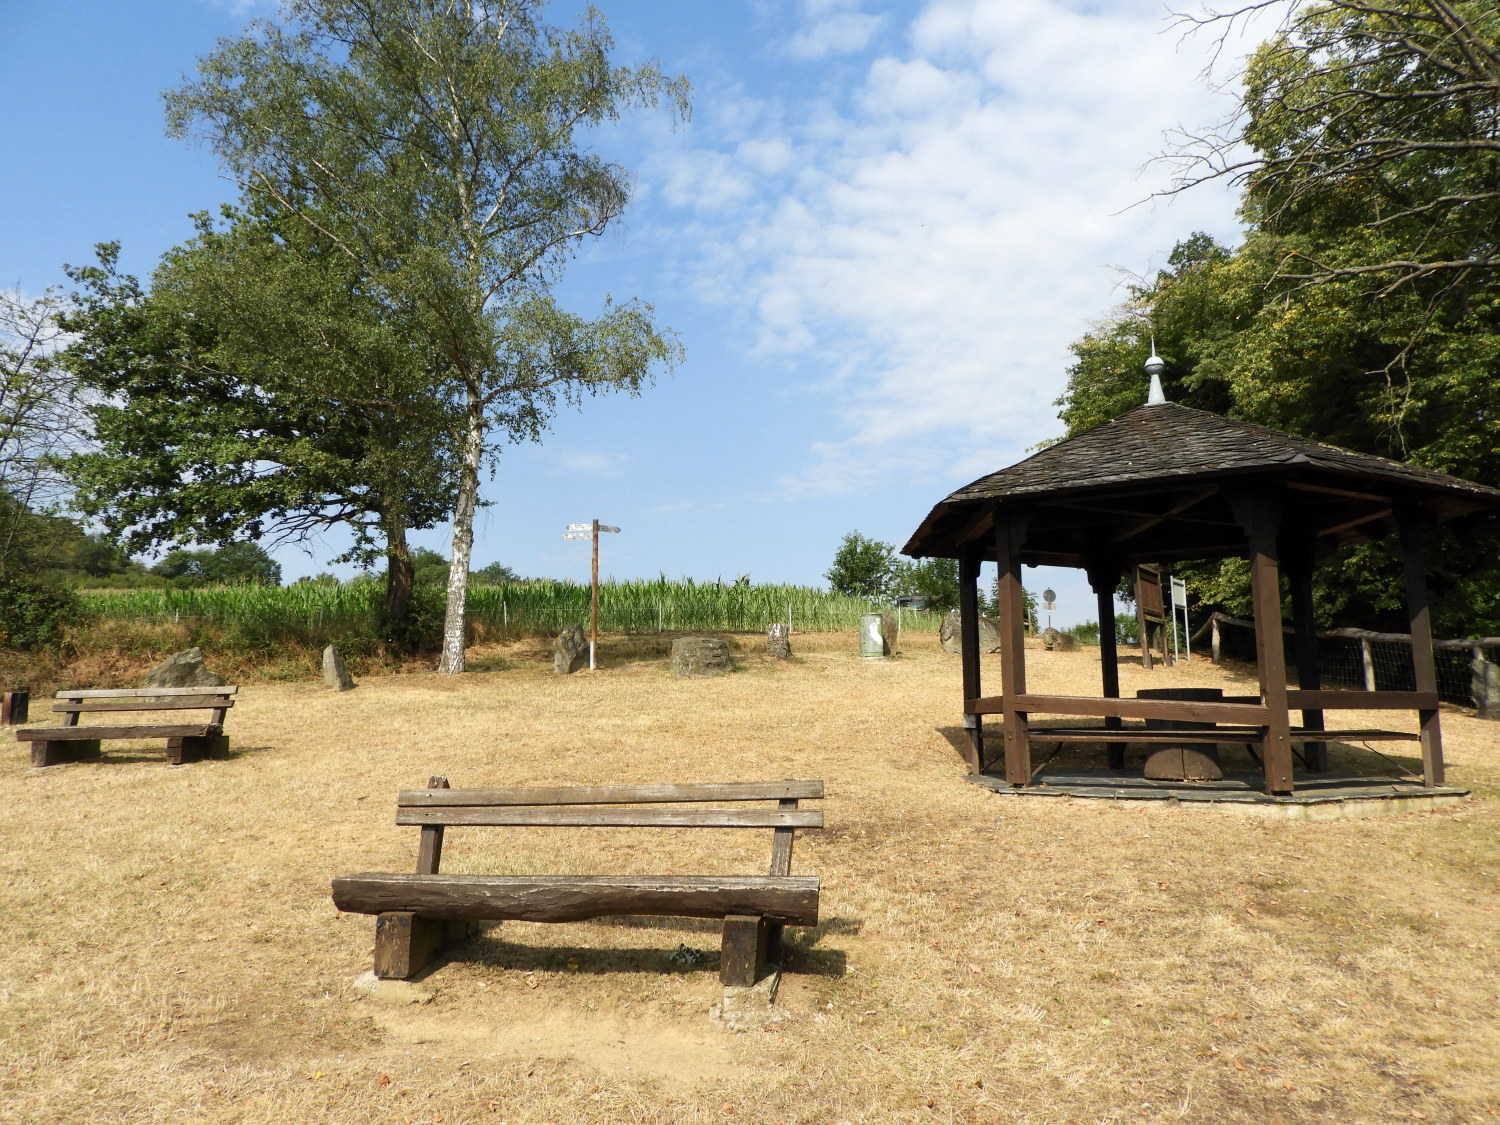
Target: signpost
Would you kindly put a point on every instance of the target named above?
(1049, 603)
(592, 530)
(1178, 595)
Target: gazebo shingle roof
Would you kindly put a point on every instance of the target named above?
(1171, 463)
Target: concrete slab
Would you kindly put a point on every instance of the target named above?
(1317, 796)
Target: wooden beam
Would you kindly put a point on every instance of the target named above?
(1197, 711)
(968, 643)
(1299, 555)
(1347, 524)
(791, 900)
(1353, 700)
(1104, 576)
(1010, 534)
(1424, 668)
(588, 816)
(1259, 512)
(1347, 493)
(612, 794)
(1175, 511)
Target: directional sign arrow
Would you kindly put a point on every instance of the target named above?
(579, 527)
(575, 536)
(603, 528)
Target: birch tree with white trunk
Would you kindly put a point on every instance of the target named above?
(438, 143)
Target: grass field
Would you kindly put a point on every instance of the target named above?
(169, 952)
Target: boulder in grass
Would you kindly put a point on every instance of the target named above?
(952, 641)
(570, 651)
(697, 657)
(335, 675)
(183, 669)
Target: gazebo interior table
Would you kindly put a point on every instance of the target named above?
(1165, 483)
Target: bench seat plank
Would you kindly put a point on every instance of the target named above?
(146, 693)
(175, 703)
(789, 899)
(606, 817)
(147, 730)
(614, 794)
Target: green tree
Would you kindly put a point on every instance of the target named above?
(936, 580)
(436, 145)
(258, 389)
(862, 568)
(233, 563)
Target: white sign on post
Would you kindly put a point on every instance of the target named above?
(591, 531)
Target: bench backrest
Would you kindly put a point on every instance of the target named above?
(599, 806)
(218, 699)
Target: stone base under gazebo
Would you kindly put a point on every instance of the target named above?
(1317, 796)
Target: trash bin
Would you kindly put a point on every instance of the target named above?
(871, 636)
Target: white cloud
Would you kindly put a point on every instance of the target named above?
(937, 243)
(832, 27)
(594, 463)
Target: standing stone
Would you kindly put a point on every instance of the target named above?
(695, 657)
(570, 651)
(1484, 683)
(778, 641)
(183, 669)
(890, 629)
(950, 633)
(335, 675)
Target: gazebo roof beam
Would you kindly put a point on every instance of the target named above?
(1192, 500)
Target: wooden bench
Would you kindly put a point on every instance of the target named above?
(186, 742)
(413, 910)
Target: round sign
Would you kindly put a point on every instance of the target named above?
(1049, 596)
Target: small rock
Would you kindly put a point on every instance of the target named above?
(183, 669)
(335, 675)
(778, 642)
(696, 657)
(744, 1009)
(570, 651)
(367, 984)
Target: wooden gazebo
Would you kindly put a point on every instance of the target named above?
(1164, 483)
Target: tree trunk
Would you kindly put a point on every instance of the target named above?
(399, 576)
(456, 617)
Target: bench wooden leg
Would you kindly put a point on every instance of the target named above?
(743, 953)
(191, 749)
(55, 751)
(405, 943)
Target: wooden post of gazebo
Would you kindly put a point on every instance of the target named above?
(1010, 533)
(1104, 576)
(968, 639)
(1413, 553)
(1259, 513)
(1297, 557)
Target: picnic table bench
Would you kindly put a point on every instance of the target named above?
(186, 742)
(413, 911)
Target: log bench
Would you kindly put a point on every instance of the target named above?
(413, 911)
(186, 742)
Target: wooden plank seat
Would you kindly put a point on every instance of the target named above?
(1248, 735)
(186, 742)
(412, 911)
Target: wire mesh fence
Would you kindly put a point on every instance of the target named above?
(1357, 658)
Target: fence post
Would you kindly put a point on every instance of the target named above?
(1368, 658)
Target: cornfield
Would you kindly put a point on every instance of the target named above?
(317, 612)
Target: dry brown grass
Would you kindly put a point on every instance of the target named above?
(169, 953)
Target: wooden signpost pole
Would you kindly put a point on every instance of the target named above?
(594, 602)
(577, 531)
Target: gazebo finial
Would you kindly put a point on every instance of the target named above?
(1155, 365)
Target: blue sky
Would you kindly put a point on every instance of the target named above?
(876, 238)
